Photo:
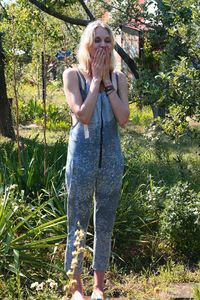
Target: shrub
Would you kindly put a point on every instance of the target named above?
(180, 220)
(139, 116)
(33, 112)
(26, 230)
(30, 175)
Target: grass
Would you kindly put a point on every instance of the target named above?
(144, 286)
(143, 161)
(165, 160)
(147, 284)
(142, 263)
(196, 292)
(55, 94)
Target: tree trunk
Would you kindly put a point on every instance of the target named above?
(6, 126)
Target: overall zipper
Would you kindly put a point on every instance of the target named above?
(101, 139)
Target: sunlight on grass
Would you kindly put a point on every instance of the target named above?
(156, 168)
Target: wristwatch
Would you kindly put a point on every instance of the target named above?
(109, 89)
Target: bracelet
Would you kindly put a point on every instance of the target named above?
(110, 92)
(109, 89)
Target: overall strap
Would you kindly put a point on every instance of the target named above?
(83, 91)
(82, 85)
(115, 81)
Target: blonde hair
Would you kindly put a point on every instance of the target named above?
(86, 41)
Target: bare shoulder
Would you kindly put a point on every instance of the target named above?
(121, 75)
(70, 73)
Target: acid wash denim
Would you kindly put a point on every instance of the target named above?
(94, 170)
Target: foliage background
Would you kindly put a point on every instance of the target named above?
(157, 226)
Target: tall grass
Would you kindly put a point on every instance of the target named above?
(33, 220)
(152, 167)
(25, 230)
(29, 177)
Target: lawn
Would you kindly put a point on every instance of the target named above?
(156, 238)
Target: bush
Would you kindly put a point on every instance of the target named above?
(139, 116)
(33, 112)
(180, 220)
(30, 175)
(26, 230)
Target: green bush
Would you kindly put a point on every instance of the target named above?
(135, 245)
(30, 175)
(180, 220)
(33, 112)
(139, 116)
(26, 230)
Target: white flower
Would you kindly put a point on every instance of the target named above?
(74, 253)
(82, 234)
(77, 232)
(74, 260)
(50, 280)
(81, 249)
(53, 285)
(76, 243)
(69, 273)
(34, 284)
(40, 287)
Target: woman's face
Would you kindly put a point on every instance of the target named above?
(102, 40)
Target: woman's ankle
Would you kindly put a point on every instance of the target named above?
(77, 290)
(99, 280)
(77, 284)
(97, 294)
(98, 289)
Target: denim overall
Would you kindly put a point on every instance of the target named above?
(94, 170)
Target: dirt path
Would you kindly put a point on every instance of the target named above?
(178, 291)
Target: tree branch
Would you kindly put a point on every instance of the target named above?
(126, 58)
(88, 12)
(4, 11)
(52, 12)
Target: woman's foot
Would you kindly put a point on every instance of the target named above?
(77, 288)
(98, 286)
(77, 296)
(97, 295)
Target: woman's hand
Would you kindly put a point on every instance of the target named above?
(106, 68)
(97, 65)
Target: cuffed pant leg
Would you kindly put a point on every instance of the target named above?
(80, 194)
(106, 201)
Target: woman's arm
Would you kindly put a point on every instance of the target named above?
(82, 110)
(119, 101)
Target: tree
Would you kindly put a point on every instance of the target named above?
(169, 65)
(49, 9)
(24, 33)
(6, 126)
(24, 38)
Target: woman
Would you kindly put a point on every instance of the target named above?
(98, 99)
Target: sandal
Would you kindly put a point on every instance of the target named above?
(97, 295)
(77, 296)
